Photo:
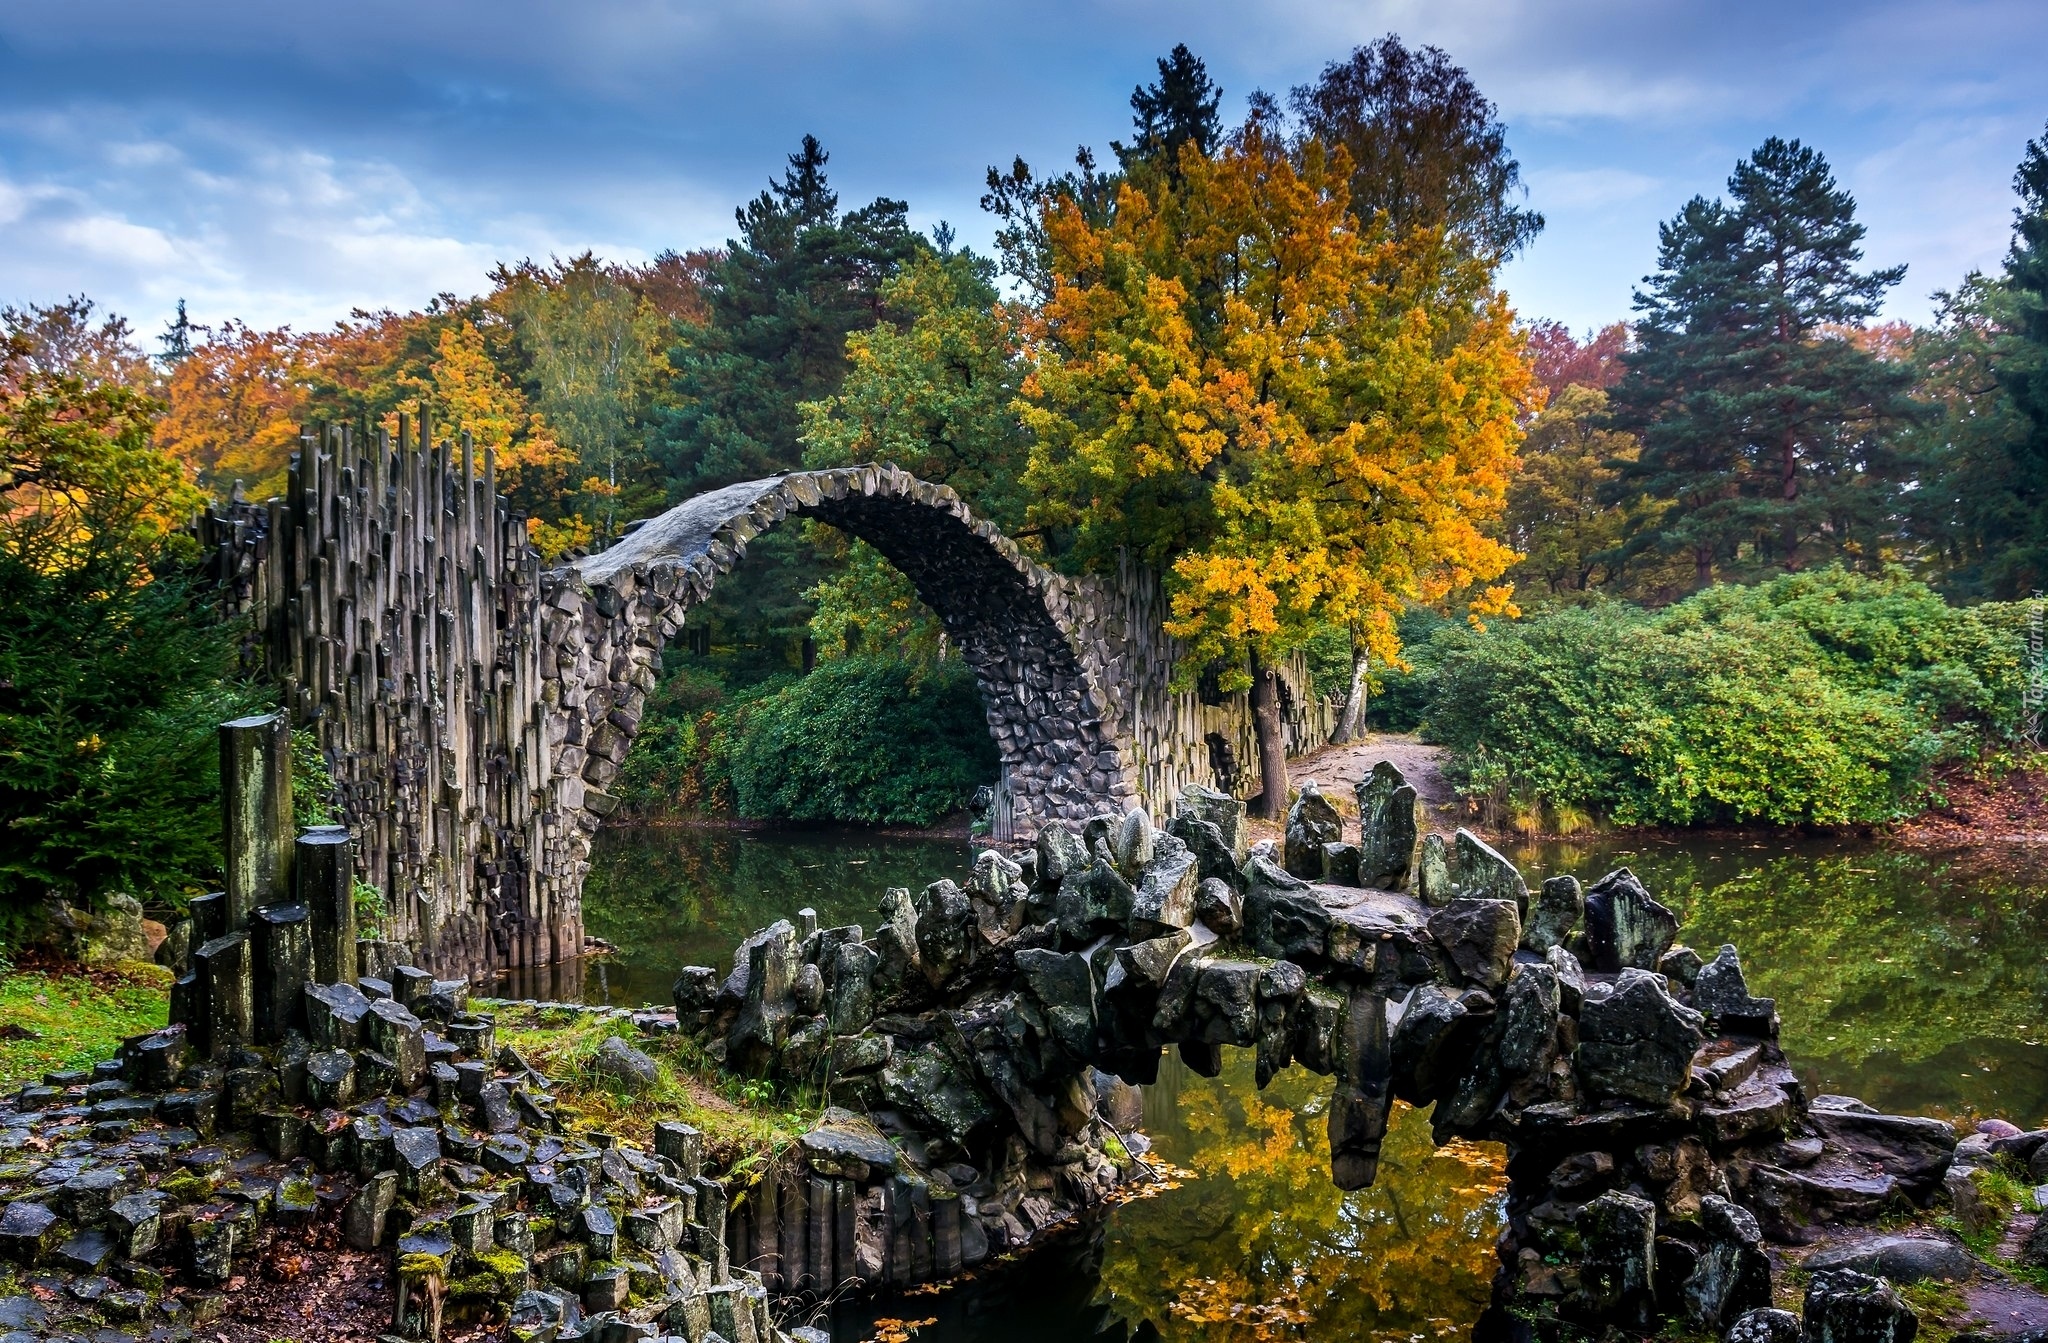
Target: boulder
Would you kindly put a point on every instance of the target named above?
(1843, 1306)
(1214, 859)
(1001, 900)
(1616, 1274)
(1624, 927)
(1425, 1045)
(1732, 1275)
(771, 960)
(1131, 846)
(847, 1145)
(850, 1001)
(1389, 815)
(1528, 1022)
(1164, 897)
(114, 933)
(1065, 987)
(1720, 991)
(1914, 1151)
(1282, 917)
(694, 990)
(1060, 853)
(1092, 900)
(621, 1063)
(1218, 905)
(945, 931)
(1479, 937)
(1559, 905)
(1765, 1325)
(1311, 823)
(1221, 810)
(1636, 1042)
(1479, 872)
(1902, 1259)
(1433, 884)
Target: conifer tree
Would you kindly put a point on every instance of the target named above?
(1763, 423)
(1180, 109)
(2020, 361)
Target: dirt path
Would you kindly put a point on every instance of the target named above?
(1338, 770)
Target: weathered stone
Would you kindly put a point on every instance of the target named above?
(323, 881)
(334, 1015)
(1528, 1022)
(330, 1079)
(1722, 994)
(1617, 1282)
(28, 1231)
(1425, 1059)
(283, 965)
(1902, 1259)
(682, 1144)
(927, 1082)
(226, 993)
(1340, 864)
(1479, 937)
(494, 1108)
(1624, 926)
(1311, 823)
(1765, 1325)
(1559, 905)
(1635, 1042)
(1218, 905)
(1364, 1092)
(1214, 859)
(1843, 1306)
(1282, 917)
(1221, 810)
(625, 1065)
(1132, 845)
(1000, 898)
(771, 959)
(945, 931)
(1682, 966)
(1060, 855)
(1480, 872)
(1732, 1275)
(1433, 883)
(363, 1218)
(1914, 1151)
(1064, 985)
(1164, 897)
(397, 1034)
(1571, 978)
(136, 1222)
(1389, 819)
(694, 990)
(1091, 900)
(848, 1145)
(850, 1002)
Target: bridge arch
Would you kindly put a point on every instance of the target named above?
(1013, 620)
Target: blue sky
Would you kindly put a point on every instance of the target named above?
(285, 163)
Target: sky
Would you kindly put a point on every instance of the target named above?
(288, 163)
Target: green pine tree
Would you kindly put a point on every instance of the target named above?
(1180, 109)
(2019, 539)
(1762, 418)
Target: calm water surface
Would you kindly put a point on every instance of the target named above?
(1916, 980)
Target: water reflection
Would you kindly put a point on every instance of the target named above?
(1915, 980)
(667, 898)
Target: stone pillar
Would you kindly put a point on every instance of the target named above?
(1358, 1109)
(324, 873)
(284, 962)
(256, 813)
(226, 996)
(209, 917)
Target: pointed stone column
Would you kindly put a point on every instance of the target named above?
(256, 813)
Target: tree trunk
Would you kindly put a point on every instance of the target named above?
(1351, 723)
(1272, 738)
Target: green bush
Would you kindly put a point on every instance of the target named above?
(1818, 698)
(863, 739)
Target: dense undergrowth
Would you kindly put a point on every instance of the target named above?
(863, 739)
(1823, 698)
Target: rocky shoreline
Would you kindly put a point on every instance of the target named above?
(978, 1054)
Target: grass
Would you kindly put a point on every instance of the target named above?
(744, 1122)
(75, 1020)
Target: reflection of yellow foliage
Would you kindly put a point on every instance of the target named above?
(1261, 1246)
(889, 1330)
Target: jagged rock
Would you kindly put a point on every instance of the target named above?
(1363, 1095)
(1720, 991)
(1092, 900)
(1065, 987)
(1571, 978)
(28, 1230)
(1528, 1022)
(1224, 812)
(1340, 864)
(694, 991)
(1433, 884)
(807, 990)
(1132, 845)
(1559, 905)
(1164, 898)
(1311, 823)
(1732, 1275)
(926, 1081)
(847, 1145)
(1214, 859)
(137, 1223)
(1223, 1007)
(397, 1034)
(1914, 1151)
(1618, 1231)
(1282, 917)
(1765, 1325)
(1682, 966)
(1480, 872)
(946, 931)
(1060, 854)
(763, 1020)
(1902, 1259)
(363, 1218)
(997, 891)
(1479, 937)
(1423, 1050)
(1389, 815)
(1843, 1306)
(1624, 926)
(334, 1015)
(850, 1004)
(1636, 1042)
(1218, 905)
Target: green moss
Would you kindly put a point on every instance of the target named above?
(1939, 1305)
(418, 1265)
(185, 1186)
(76, 1020)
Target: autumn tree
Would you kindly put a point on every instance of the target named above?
(1764, 428)
(236, 403)
(1558, 359)
(1301, 420)
(62, 339)
(1425, 147)
(1561, 514)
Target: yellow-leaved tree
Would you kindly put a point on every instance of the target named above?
(1301, 419)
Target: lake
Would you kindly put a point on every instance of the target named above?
(1914, 979)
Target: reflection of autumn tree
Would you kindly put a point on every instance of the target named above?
(1262, 1245)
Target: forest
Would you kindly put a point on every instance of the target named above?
(1752, 555)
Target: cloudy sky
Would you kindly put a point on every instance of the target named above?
(285, 163)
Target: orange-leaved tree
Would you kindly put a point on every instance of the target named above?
(235, 403)
(1300, 419)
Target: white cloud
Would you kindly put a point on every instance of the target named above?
(1582, 188)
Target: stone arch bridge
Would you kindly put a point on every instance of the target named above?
(475, 707)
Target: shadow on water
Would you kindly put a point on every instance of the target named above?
(1916, 980)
